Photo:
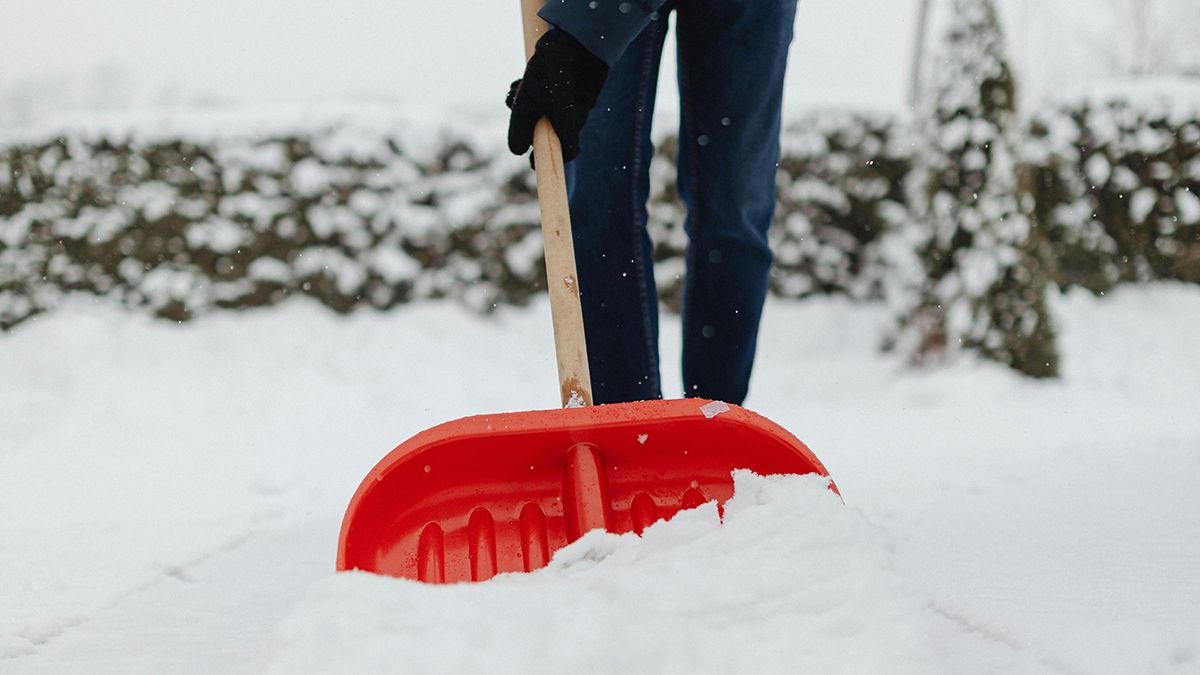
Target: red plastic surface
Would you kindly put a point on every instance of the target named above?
(483, 495)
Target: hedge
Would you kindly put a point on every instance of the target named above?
(357, 211)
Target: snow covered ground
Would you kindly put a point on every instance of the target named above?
(170, 498)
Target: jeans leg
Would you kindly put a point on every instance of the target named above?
(608, 186)
(732, 57)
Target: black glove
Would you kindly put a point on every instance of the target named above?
(561, 83)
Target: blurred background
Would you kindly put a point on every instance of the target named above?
(59, 56)
(953, 158)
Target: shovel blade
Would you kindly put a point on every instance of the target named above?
(490, 494)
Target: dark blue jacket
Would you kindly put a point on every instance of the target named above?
(605, 27)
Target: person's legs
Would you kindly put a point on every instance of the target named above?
(732, 57)
(609, 185)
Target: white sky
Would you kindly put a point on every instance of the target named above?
(69, 54)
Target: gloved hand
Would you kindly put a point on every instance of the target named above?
(561, 83)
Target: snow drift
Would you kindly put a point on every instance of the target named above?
(792, 581)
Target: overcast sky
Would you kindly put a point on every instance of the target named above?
(113, 53)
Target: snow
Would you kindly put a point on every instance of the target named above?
(219, 235)
(393, 264)
(1175, 97)
(714, 408)
(171, 497)
(614, 603)
(348, 276)
(1142, 203)
(575, 400)
(1188, 206)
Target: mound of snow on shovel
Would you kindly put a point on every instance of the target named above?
(792, 581)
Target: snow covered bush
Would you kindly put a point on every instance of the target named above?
(354, 212)
(981, 274)
(367, 211)
(840, 188)
(1117, 185)
(348, 215)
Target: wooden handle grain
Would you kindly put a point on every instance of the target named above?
(575, 381)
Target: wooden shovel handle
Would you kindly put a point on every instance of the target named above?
(575, 382)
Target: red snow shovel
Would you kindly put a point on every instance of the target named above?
(480, 496)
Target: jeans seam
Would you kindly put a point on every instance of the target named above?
(693, 209)
(638, 227)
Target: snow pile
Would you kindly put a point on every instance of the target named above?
(792, 581)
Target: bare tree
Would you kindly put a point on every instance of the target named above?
(1147, 53)
(918, 58)
(1154, 37)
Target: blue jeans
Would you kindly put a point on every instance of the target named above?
(731, 55)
